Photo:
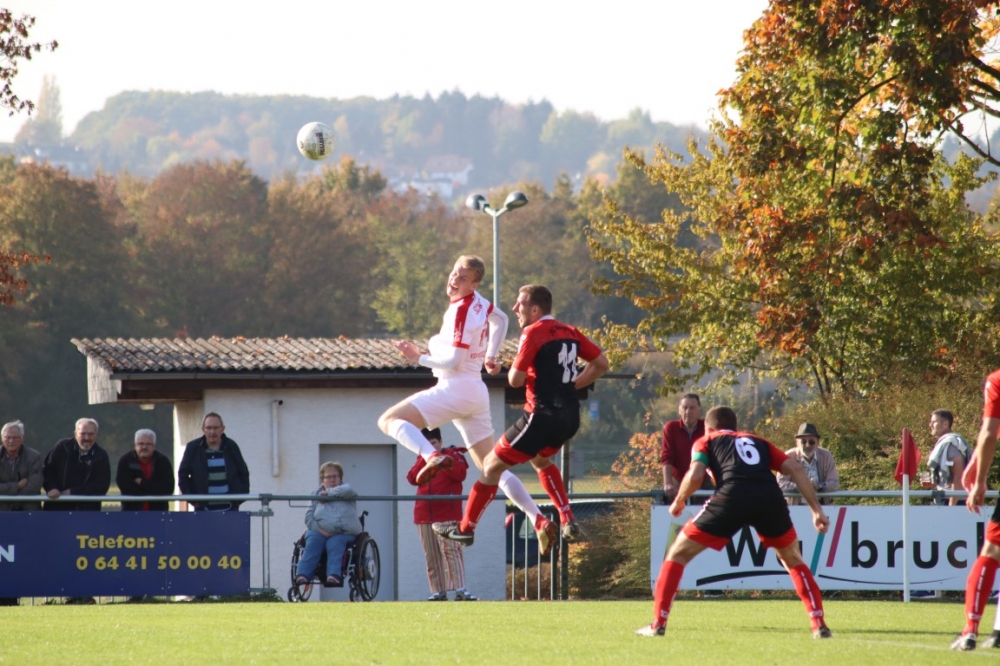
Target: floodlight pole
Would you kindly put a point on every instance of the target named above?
(478, 202)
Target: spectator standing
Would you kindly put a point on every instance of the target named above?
(20, 468)
(679, 436)
(145, 471)
(445, 563)
(213, 465)
(947, 459)
(77, 466)
(20, 474)
(818, 463)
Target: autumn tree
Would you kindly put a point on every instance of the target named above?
(15, 47)
(318, 279)
(836, 243)
(201, 246)
(80, 294)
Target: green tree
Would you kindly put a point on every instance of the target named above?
(835, 243)
(417, 244)
(541, 243)
(45, 128)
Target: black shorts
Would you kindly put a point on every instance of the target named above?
(724, 517)
(542, 432)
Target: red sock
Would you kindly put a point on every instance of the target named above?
(978, 586)
(809, 592)
(479, 498)
(666, 589)
(552, 482)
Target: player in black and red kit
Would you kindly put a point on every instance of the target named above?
(979, 584)
(546, 365)
(746, 494)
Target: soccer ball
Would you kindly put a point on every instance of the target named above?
(315, 141)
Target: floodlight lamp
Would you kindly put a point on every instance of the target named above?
(476, 202)
(515, 200)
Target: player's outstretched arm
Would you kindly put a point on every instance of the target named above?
(497, 325)
(689, 484)
(793, 469)
(974, 478)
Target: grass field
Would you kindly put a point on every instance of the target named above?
(505, 633)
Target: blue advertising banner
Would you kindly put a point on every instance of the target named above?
(91, 553)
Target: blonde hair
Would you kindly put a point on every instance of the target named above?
(473, 263)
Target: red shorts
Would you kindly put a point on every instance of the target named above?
(541, 433)
(993, 531)
(692, 532)
(721, 518)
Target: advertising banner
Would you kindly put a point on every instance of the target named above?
(863, 550)
(92, 553)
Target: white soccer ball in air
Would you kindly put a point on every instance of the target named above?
(315, 141)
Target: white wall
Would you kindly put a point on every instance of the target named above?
(311, 424)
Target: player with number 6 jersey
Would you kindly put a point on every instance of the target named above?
(747, 494)
(546, 365)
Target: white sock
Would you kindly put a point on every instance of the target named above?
(519, 495)
(410, 436)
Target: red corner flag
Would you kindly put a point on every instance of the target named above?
(909, 456)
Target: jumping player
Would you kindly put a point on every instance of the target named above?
(746, 494)
(470, 336)
(979, 584)
(546, 367)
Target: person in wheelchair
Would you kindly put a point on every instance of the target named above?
(330, 525)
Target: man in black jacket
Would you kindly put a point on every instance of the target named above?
(77, 466)
(213, 464)
(145, 471)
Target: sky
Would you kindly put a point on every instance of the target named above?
(667, 57)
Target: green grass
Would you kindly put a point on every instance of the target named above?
(508, 633)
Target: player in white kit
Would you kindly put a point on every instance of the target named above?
(470, 338)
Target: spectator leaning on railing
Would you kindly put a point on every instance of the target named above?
(947, 459)
(145, 471)
(213, 465)
(77, 466)
(817, 462)
(20, 474)
(20, 468)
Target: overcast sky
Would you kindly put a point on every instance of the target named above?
(667, 57)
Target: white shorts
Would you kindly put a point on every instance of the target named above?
(464, 402)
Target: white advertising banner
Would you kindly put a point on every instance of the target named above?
(862, 550)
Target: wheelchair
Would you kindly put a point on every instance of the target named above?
(360, 569)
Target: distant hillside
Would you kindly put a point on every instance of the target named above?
(435, 144)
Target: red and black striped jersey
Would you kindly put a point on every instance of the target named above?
(741, 463)
(547, 354)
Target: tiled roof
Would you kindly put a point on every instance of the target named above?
(236, 355)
